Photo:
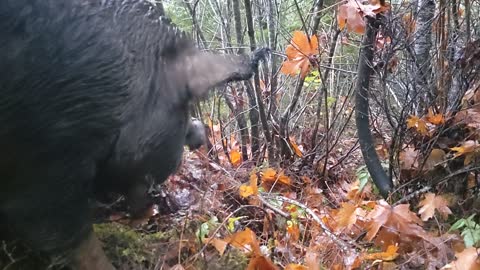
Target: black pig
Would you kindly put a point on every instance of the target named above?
(94, 96)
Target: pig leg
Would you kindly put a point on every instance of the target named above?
(89, 255)
(52, 214)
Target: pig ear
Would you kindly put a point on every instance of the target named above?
(203, 70)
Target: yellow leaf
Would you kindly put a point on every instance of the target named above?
(412, 121)
(467, 147)
(251, 188)
(419, 124)
(246, 191)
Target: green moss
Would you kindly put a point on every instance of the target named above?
(123, 245)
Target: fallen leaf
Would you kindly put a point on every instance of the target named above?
(244, 240)
(346, 216)
(293, 266)
(251, 188)
(219, 244)
(468, 259)
(418, 123)
(389, 255)
(432, 203)
(235, 157)
(295, 147)
(398, 219)
(409, 158)
(261, 263)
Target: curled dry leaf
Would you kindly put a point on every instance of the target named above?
(351, 14)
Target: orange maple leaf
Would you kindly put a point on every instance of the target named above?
(436, 119)
(299, 53)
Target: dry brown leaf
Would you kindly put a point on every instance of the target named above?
(312, 258)
(436, 156)
(398, 219)
(346, 215)
(432, 202)
(409, 158)
(468, 259)
(352, 12)
(219, 244)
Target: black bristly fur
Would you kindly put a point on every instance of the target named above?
(93, 97)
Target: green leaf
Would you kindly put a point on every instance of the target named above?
(457, 225)
(205, 228)
(471, 237)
